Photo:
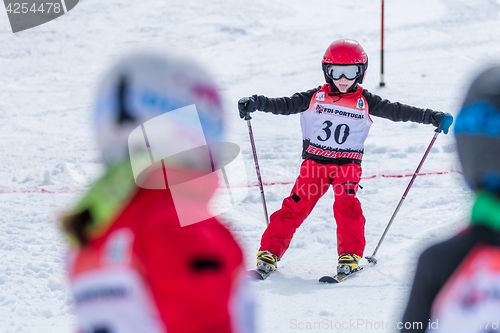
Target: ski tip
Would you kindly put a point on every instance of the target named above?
(328, 279)
(255, 275)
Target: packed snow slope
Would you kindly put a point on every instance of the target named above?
(433, 49)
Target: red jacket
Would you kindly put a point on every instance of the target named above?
(144, 273)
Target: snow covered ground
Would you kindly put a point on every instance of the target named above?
(433, 49)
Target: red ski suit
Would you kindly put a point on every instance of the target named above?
(314, 180)
(334, 127)
(143, 272)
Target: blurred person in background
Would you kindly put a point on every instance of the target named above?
(146, 254)
(457, 282)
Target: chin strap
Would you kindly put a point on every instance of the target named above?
(354, 87)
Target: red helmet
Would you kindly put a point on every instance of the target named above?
(345, 52)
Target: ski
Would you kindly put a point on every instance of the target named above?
(340, 278)
(257, 274)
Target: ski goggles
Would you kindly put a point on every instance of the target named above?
(335, 72)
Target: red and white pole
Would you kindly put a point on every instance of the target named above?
(382, 83)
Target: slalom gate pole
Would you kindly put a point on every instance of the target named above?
(382, 83)
(371, 259)
(257, 169)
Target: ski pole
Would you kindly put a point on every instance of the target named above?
(371, 259)
(382, 83)
(257, 169)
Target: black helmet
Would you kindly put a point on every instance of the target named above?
(477, 130)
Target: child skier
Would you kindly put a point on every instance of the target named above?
(134, 264)
(335, 120)
(465, 288)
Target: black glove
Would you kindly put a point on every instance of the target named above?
(441, 120)
(250, 104)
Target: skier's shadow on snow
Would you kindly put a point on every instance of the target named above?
(280, 284)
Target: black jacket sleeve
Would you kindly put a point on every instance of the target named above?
(393, 111)
(299, 102)
(435, 267)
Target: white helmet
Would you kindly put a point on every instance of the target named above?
(164, 99)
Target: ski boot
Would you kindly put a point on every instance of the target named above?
(266, 261)
(266, 264)
(348, 263)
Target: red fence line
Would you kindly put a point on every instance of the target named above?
(367, 177)
(251, 185)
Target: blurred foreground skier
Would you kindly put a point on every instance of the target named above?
(146, 255)
(463, 291)
(335, 121)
